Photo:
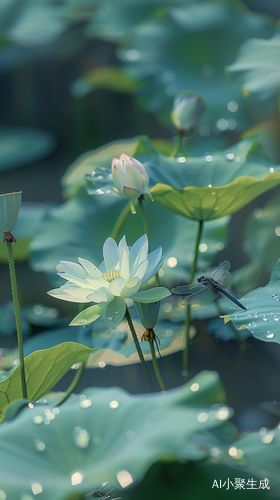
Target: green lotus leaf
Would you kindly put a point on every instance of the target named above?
(43, 370)
(261, 243)
(104, 435)
(27, 23)
(197, 479)
(262, 317)
(114, 23)
(188, 47)
(19, 146)
(261, 454)
(214, 185)
(113, 348)
(209, 203)
(110, 78)
(257, 67)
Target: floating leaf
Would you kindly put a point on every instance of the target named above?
(262, 317)
(261, 243)
(112, 78)
(43, 370)
(92, 438)
(155, 53)
(19, 146)
(214, 185)
(257, 67)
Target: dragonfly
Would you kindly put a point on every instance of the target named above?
(208, 289)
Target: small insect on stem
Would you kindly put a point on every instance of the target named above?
(151, 335)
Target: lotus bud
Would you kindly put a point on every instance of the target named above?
(9, 208)
(130, 177)
(148, 313)
(188, 106)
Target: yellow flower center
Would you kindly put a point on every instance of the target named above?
(110, 275)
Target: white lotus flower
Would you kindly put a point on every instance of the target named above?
(119, 277)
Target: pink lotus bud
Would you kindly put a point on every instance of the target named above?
(130, 177)
(187, 108)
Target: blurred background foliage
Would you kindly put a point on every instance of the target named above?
(81, 82)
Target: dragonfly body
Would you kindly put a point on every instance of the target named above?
(208, 289)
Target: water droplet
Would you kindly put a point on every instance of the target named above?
(271, 169)
(213, 193)
(36, 488)
(254, 324)
(223, 413)
(114, 405)
(220, 245)
(203, 247)
(230, 156)
(82, 321)
(222, 124)
(81, 437)
(232, 106)
(257, 212)
(77, 478)
(181, 159)
(172, 262)
(268, 437)
(3, 495)
(25, 496)
(102, 365)
(168, 332)
(124, 478)
(38, 419)
(86, 403)
(39, 445)
(194, 387)
(276, 319)
(265, 319)
(208, 158)
(232, 124)
(132, 55)
(277, 230)
(202, 417)
(215, 452)
(270, 336)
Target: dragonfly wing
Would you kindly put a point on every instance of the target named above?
(221, 274)
(203, 296)
(188, 289)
